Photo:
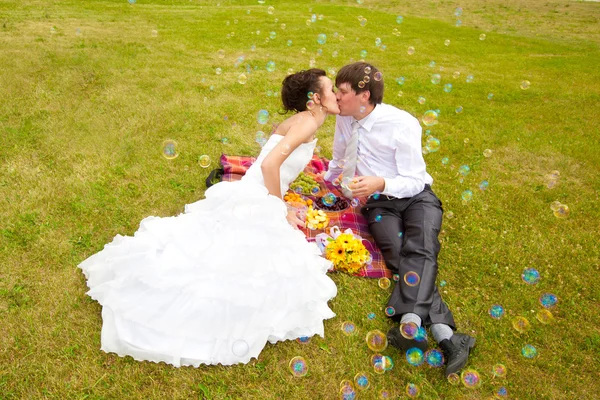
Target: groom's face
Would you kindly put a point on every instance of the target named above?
(348, 101)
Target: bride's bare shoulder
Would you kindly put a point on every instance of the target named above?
(302, 120)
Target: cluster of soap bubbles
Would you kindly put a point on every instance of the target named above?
(560, 210)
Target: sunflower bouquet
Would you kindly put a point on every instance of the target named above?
(346, 252)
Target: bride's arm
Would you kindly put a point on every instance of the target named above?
(296, 135)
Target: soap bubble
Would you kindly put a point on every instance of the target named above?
(456, 74)
(272, 35)
(453, 379)
(240, 348)
(548, 300)
(347, 392)
(412, 390)
(298, 366)
(371, 315)
(501, 393)
(322, 38)
(378, 218)
(385, 394)
(530, 276)
(270, 10)
(377, 76)
(544, 316)
(496, 311)
(448, 87)
(499, 370)
(363, 54)
(204, 161)
(490, 96)
(458, 11)
(467, 195)
(436, 78)
(458, 109)
(409, 330)
(361, 380)
(469, 78)
(414, 356)
(421, 100)
(447, 42)
(445, 161)
(482, 36)
(487, 153)
(520, 324)
(483, 185)
(430, 118)
(411, 278)
(348, 328)
(431, 65)
(218, 71)
(271, 66)
(384, 283)
(366, 79)
(376, 341)
(169, 149)
(329, 199)
(242, 79)
(432, 144)
(262, 117)
(470, 378)
(410, 50)
(303, 340)
(464, 170)
(525, 85)
(399, 19)
(529, 351)
(434, 358)
(562, 211)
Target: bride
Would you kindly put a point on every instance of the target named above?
(215, 283)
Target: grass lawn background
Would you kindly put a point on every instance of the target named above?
(90, 91)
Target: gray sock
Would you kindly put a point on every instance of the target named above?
(441, 332)
(410, 317)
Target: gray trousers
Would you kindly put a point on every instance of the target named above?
(419, 219)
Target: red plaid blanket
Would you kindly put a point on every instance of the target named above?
(235, 167)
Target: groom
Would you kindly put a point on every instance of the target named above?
(381, 144)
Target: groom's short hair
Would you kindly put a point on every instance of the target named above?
(355, 73)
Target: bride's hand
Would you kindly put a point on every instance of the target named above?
(293, 219)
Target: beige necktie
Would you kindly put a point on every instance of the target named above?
(349, 168)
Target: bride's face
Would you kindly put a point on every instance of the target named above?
(327, 96)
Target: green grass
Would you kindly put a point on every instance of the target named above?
(83, 118)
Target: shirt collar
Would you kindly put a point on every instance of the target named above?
(368, 121)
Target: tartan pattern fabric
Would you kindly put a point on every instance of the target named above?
(234, 167)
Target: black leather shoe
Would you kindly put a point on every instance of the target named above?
(396, 339)
(456, 351)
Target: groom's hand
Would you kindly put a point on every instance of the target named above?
(364, 186)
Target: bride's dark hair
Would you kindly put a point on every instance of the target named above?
(296, 87)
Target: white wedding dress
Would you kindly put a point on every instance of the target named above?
(215, 283)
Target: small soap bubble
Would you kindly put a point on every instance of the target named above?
(366, 79)
(525, 85)
(399, 19)
(443, 283)
(436, 78)
(458, 11)
(501, 393)
(384, 283)
(467, 195)
(154, 33)
(496, 311)
(363, 22)
(464, 170)
(544, 316)
(459, 109)
(362, 109)
(470, 378)
(482, 36)
(421, 100)
(414, 356)
(371, 315)
(432, 144)
(224, 140)
(410, 50)
(430, 117)
(469, 78)
(303, 339)
(456, 74)
(458, 22)
(390, 311)
(289, 42)
(434, 358)
(361, 380)
(431, 65)
(361, 84)
(411, 278)
(483, 185)
(520, 324)
(298, 366)
(322, 38)
(530, 276)
(487, 153)
(271, 66)
(169, 149)
(310, 104)
(240, 348)
(242, 79)
(447, 42)
(499, 370)
(562, 211)
(490, 96)
(378, 218)
(385, 394)
(363, 54)
(348, 328)
(412, 390)
(548, 300)
(315, 189)
(329, 199)
(204, 161)
(218, 71)
(271, 10)
(453, 379)
(529, 351)
(448, 87)
(376, 197)
(262, 117)
(376, 341)
(377, 76)
(445, 161)
(396, 277)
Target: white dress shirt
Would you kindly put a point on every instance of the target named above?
(389, 146)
